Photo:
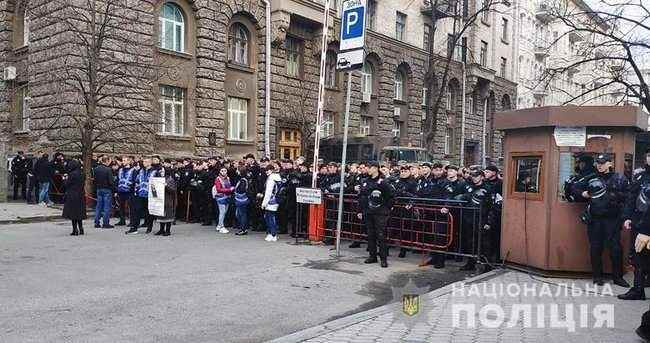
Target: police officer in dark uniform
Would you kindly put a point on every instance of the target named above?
(405, 187)
(19, 173)
(636, 217)
(376, 201)
(185, 175)
(606, 193)
(492, 180)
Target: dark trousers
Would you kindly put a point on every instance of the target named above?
(32, 190)
(124, 203)
(241, 212)
(142, 212)
(198, 203)
(20, 182)
(605, 233)
(376, 226)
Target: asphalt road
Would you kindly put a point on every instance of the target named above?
(194, 286)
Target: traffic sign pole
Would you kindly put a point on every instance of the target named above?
(344, 155)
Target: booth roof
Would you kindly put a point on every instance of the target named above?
(620, 116)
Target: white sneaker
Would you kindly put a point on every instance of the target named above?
(268, 238)
(224, 230)
(274, 238)
(218, 229)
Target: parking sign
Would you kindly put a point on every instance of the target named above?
(353, 25)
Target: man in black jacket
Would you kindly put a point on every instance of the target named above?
(105, 185)
(606, 192)
(376, 201)
(19, 174)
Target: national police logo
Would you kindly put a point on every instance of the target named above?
(409, 307)
(411, 304)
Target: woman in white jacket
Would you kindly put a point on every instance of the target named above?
(270, 202)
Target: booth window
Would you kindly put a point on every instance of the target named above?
(527, 171)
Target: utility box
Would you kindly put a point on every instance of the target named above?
(540, 229)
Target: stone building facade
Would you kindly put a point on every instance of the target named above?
(210, 99)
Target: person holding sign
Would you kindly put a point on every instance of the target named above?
(169, 200)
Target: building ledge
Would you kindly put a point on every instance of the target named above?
(186, 138)
(482, 72)
(240, 67)
(183, 55)
(239, 142)
(21, 49)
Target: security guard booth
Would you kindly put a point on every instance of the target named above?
(540, 229)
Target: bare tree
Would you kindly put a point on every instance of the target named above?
(95, 79)
(298, 110)
(462, 20)
(610, 44)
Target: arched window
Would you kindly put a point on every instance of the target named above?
(330, 70)
(366, 78)
(399, 85)
(239, 44)
(172, 28)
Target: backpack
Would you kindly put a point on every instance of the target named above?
(279, 193)
(241, 197)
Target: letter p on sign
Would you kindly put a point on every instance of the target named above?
(351, 19)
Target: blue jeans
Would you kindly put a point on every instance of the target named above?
(221, 216)
(44, 192)
(271, 222)
(241, 212)
(104, 205)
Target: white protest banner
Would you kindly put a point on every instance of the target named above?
(157, 196)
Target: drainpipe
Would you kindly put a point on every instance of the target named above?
(462, 120)
(267, 92)
(485, 112)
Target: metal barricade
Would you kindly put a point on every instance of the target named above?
(414, 223)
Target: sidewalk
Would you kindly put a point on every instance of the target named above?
(19, 212)
(501, 314)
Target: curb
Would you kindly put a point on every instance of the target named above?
(342, 323)
(29, 220)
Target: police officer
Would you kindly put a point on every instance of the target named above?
(19, 173)
(376, 201)
(577, 183)
(606, 193)
(405, 187)
(636, 216)
(492, 179)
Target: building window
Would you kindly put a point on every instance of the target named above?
(400, 26)
(527, 173)
(449, 135)
(504, 67)
(238, 42)
(480, 6)
(372, 10)
(504, 29)
(172, 28)
(424, 96)
(397, 128)
(290, 144)
(22, 113)
(293, 47)
(448, 100)
(427, 36)
(366, 78)
(237, 119)
(450, 44)
(470, 105)
(172, 111)
(364, 127)
(463, 55)
(328, 124)
(330, 70)
(399, 85)
(25, 28)
(483, 54)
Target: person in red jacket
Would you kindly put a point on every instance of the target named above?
(222, 192)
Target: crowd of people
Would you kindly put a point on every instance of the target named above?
(248, 194)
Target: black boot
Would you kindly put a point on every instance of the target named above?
(75, 232)
(633, 294)
(402, 253)
(149, 228)
(371, 259)
(384, 263)
(242, 232)
(168, 230)
(470, 265)
(439, 262)
(81, 227)
(161, 231)
(617, 272)
(644, 330)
